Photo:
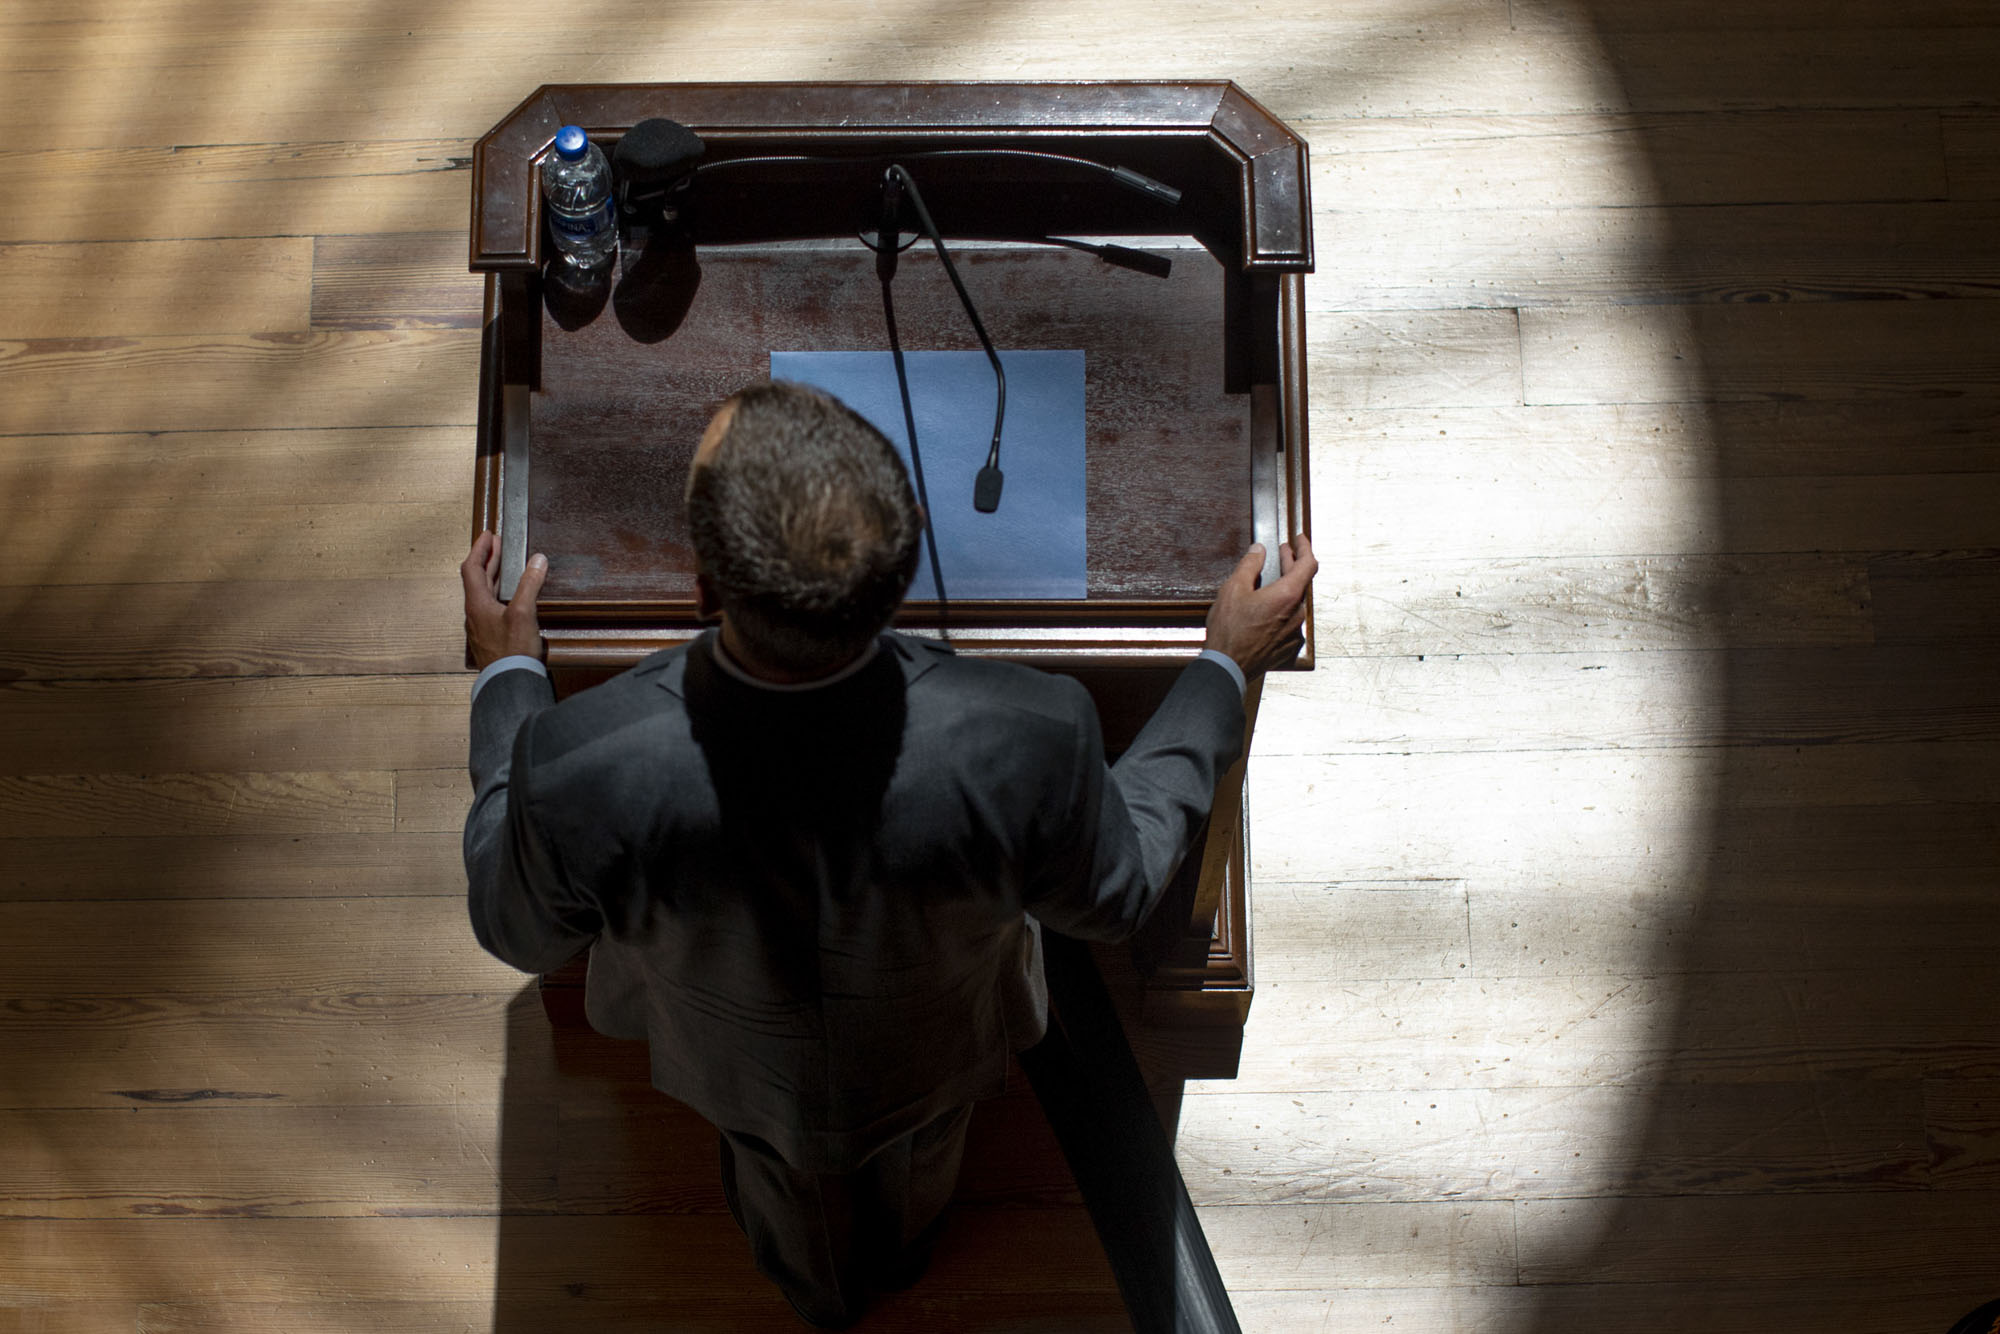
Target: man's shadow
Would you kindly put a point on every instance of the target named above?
(612, 1214)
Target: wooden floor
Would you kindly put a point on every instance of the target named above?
(1625, 877)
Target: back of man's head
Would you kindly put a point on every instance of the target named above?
(805, 527)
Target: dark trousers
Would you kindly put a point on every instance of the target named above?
(830, 1241)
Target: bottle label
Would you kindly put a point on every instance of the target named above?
(582, 226)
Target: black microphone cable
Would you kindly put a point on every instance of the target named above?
(885, 268)
(986, 487)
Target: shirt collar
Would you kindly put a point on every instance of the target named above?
(735, 669)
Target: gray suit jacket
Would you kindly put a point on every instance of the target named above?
(817, 906)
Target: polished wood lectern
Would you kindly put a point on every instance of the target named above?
(591, 402)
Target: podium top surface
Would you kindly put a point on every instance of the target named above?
(1243, 173)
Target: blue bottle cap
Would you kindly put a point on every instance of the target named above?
(571, 142)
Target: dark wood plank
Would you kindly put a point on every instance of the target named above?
(1972, 154)
(1959, 1117)
(394, 280)
(1938, 1236)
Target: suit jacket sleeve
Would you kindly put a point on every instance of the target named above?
(1130, 825)
(524, 909)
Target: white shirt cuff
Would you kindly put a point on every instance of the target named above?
(507, 664)
(1214, 655)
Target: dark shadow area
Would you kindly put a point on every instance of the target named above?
(1821, 1144)
(613, 1218)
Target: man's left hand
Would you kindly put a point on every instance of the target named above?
(497, 629)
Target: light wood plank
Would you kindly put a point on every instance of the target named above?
(1623, 1028)
(157, 288)
(1456, 358)
(251, 725)
(252, 1160)
(1379, 606)
(432, 800)
(1551, 1143)
(1310, 932)
(1840, 350)
(1385, 1245)
(1621, 161)
(115, 805)
(1942, 1235)
(263, 627)
(425, 377)
(237, 948)
(252, 865)
(202, 470)
(295, 545)
(1403, 259)
(299, 187)
(1670, 16)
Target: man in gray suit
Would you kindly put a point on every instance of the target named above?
(809, 857)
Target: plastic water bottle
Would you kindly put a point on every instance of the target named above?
(576, 198)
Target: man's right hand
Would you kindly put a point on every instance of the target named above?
(1263, 628)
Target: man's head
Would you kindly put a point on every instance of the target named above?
(804, 526)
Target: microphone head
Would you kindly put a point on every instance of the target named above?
(986, 489)
(657, 151)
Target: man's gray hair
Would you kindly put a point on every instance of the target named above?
(805, 525)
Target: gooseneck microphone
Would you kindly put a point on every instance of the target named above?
(985, 487)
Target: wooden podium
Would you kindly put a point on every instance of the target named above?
(591, 403)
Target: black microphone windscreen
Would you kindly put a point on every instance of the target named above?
(656, 150)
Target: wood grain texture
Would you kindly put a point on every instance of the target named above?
(258, 864)
(272, 947)
(358, 1048)
(128, 191)
(257, 724)
(115, 805)
(159, 288)
(401, 280)
(1623, 875)
(1514, 257)
(1784, 352)
(1972, 154)
(235, 627)
(1519, 1144)
(255, 1160)
(237, 382)
(1595, 161)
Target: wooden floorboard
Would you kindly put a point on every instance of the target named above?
(1621, 878)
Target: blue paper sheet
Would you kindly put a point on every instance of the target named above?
(1033, 546)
